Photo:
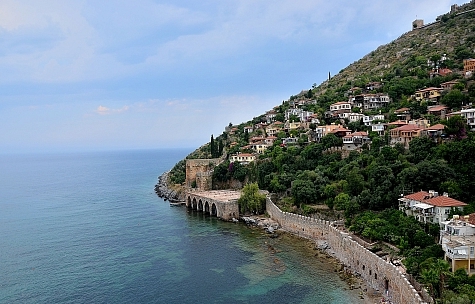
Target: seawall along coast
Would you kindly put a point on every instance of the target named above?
(376, 272)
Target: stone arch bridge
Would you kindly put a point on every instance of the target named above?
(220, 203)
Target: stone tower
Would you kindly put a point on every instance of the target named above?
(418, 23)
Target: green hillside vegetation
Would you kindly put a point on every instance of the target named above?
(362, 187)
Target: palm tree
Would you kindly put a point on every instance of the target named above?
(433, 273)
(442, 268)
(430, 277)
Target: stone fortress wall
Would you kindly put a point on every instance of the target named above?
(376, 272)
(201, 172)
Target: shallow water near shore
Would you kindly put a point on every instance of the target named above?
(88, 228)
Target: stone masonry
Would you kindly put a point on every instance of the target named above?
(376, 272)
(200, 171)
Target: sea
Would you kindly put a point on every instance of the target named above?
(88, 228)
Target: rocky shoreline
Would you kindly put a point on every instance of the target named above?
(163, 190)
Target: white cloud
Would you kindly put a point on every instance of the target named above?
(101, 110)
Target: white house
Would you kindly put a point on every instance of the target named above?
(469, 115)
(429, 207)
(368, 120)
(457, 238)
(243, 158)
(355, 140)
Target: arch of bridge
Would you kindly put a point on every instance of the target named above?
(206, 205)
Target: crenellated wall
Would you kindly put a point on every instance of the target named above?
(376, 272)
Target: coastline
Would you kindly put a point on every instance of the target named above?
(358, 285)
(165, 191)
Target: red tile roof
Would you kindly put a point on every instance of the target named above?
(409, 127)
(340, 130)
(397, 123)
(437, 108)
(418, 196)
(430, 89)
(436, 127)
(444, 201)
(339, 103)
(438, 201)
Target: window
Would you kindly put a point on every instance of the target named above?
(471, 250)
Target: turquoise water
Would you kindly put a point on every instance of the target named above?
(87, 228)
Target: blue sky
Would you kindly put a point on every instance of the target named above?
(100, 75)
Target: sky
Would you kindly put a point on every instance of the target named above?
(79, 75)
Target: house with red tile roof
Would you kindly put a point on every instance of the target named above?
(434, 132)
(438, 110)
(355, 140)
(337, 109)
(243, 158)
(340, 132)
(403, 114)
(431, 94)
(429, 207)
(448, 85)
(404, 134)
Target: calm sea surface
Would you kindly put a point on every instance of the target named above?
(88, 228)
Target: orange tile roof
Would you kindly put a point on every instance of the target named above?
(244, 154)
(437, 108)
(430, 89)
(436, 127)
(339, 130)
(402, 110)
(438, 201)
(397, 122)
(418, 196)
(444, 201)
(409, 127)
(471, 218)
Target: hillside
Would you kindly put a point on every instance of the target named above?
(453, 35)
(392, 128)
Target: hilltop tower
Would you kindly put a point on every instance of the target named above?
(418, 23)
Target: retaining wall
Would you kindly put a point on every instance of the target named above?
(376, 272)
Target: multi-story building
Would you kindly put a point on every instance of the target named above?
(371, 101)
(243, 158)
(429, 94)
(448, 85)
(301, 114)
(353, 117)
(379, 128)
(368, 120)
(403, 114)
(434, 132)
(342, 105)
(457, 237)
(404, 134)
(469, 65)
(429, 207)
(355, 140)
(438, 110)
(274, 128)
(260, 147)
(469, 115)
